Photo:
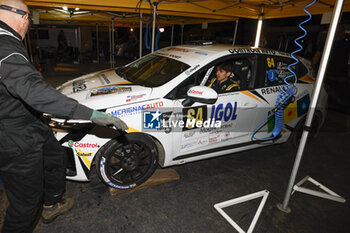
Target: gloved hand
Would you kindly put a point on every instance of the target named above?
(105, 119)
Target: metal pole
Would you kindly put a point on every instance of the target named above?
(319, 80)
(80, 47)
(182, 33)
(234, 36)
(97, 45)
(172, 35)
(110, 44)
(154, 24)
(113, 57)
(78, 41)
(258, 32)
(140, 52)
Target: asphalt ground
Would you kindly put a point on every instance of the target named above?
(187, 205)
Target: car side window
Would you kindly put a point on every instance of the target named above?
(181, 90)
(302, 70)
(241, 73)
(275, 69)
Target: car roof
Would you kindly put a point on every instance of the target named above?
(195, 54)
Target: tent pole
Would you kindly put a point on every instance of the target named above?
(140, 41)
(172, 35)
(110, 43)
(182, 33)
(234, 36)
(154, 24)
(319, 80)
(97, 44)
(258, 32)
(113, 55)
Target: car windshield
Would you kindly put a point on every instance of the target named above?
(152, 70)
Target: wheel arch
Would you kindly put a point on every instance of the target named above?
(161, 151)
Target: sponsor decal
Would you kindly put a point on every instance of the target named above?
(189, 134)
(189, 71)
(194, 114)
(195, 92)
(270, 62)
(214, 139)
(180, 50)
(188, 145)
(136, 109)
(303, 105)
(270, 90)
(72, 144)
(279, 71)
(107, 180)
(84, 154)
(226, 136)
(271, 75)
(224, 113)
(110, 90)
(195, 143)
(292, 111)
(282, 65)
(134, 97)
(168, 55)
(201, 53)
(79, 86)
(247, 50)
(282, 73)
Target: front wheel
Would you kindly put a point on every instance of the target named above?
(127, 161)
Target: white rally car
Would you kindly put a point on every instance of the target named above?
(175, 118)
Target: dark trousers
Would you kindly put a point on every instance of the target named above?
(32, 166)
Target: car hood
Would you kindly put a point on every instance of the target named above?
(104, 89)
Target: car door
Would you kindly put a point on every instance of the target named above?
(234, 110)
(272, 70)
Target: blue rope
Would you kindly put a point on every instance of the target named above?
(287, 91)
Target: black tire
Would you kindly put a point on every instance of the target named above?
(127, 161)
(295, 137)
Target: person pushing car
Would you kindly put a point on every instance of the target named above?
(32, 163)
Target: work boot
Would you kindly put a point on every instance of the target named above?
(51, 212)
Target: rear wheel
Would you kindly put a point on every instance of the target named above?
(295, 137)
(127, 161)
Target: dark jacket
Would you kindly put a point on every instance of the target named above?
(23, 93)
(226, 86)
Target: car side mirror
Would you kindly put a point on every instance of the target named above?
(201, 94)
